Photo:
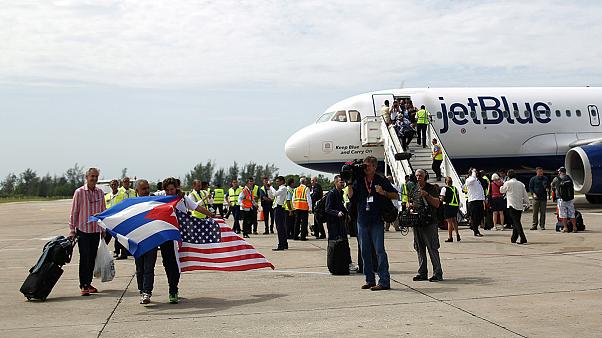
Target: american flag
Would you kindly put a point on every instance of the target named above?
(209, 244)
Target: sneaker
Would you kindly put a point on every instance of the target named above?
(173, 298)
(145, 298)
(92, 289)
(84, 291)
(353, 268)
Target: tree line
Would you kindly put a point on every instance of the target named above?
(29, 183)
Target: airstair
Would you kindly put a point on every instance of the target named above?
(399, 163)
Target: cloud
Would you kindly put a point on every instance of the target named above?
(307, 43)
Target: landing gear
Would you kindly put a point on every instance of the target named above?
(594, 199)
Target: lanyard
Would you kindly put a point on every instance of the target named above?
(368, 186)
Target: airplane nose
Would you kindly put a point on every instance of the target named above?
(297, 147)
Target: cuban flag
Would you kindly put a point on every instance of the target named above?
(141, 224)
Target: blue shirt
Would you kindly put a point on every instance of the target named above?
(362, 190)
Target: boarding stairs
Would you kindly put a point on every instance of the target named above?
(399, 163)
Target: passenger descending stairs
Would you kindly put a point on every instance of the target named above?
(399, 163)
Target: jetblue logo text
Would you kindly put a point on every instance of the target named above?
(492, 110)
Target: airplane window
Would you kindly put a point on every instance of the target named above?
(484, 114)
(462, 115)
(593, 112)
(355, 116)
(516, 114)
(578, 113)
(439, 115)
(340, 116)
(506, 115)
(473, 114)
(568, 113)
(527, 114)
(325, 117)
(451, 115)
(558, 113)
(494, 114)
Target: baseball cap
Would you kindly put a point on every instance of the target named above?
(562, 170)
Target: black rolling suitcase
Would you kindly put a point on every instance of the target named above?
(47, 271)
(39, 284)
(338, 256)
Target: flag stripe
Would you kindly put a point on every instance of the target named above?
(231, 268)
(187, 248)
(217, 255)
(221, 259)
(228, 264)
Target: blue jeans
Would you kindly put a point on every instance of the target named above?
(373, 235)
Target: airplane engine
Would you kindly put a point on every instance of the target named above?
(584, 165)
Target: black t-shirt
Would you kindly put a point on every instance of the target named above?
(362, 189)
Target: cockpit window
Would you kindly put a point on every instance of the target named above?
(355, 116)
(325, 117)
(340, 116)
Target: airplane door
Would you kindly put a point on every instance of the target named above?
(379, 99)
(594, 116)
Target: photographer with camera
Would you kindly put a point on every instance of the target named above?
(424, 200)
(371, 192)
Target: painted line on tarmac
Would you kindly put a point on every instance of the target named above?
(116, 305)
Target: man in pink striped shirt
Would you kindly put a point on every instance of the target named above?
(88, 200)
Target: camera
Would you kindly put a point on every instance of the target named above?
(351, 171)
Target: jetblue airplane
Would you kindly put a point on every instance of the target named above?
(486, 128)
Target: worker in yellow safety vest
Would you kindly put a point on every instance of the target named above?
(126, 189)
(248, 204)
(197, 195)
(233, 206)
(302, 206)
(451, 201)
(256, 198)
(422, 122)
(218, 199)
(113, 197)
(437, 159)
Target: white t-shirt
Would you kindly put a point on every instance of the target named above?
(475, 189)
(187, 203)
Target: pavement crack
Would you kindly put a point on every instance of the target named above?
(116, 305)
(459, 308)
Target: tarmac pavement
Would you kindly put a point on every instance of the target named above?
(550, 287)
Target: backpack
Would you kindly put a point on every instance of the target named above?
(566, 189)
(320, 209)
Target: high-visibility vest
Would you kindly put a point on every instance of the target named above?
(346, 195)
(197, 197)
(218, 196)
(256, 193)
(488, 185)
(436, 149)
(454, 200)
(112, 199)
(129, 193)
(248, 197)
(233, 195)
(422, 117)
(404, 193)
(288, 205)
(300, 199)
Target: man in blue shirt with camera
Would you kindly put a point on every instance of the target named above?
(370, 193)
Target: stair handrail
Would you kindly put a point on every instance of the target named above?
(393, 146)
(448, 168)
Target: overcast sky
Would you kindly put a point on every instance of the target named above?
(158, 86)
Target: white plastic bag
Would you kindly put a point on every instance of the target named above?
(104, 267)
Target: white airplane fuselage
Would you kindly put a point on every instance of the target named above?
(487, 128)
